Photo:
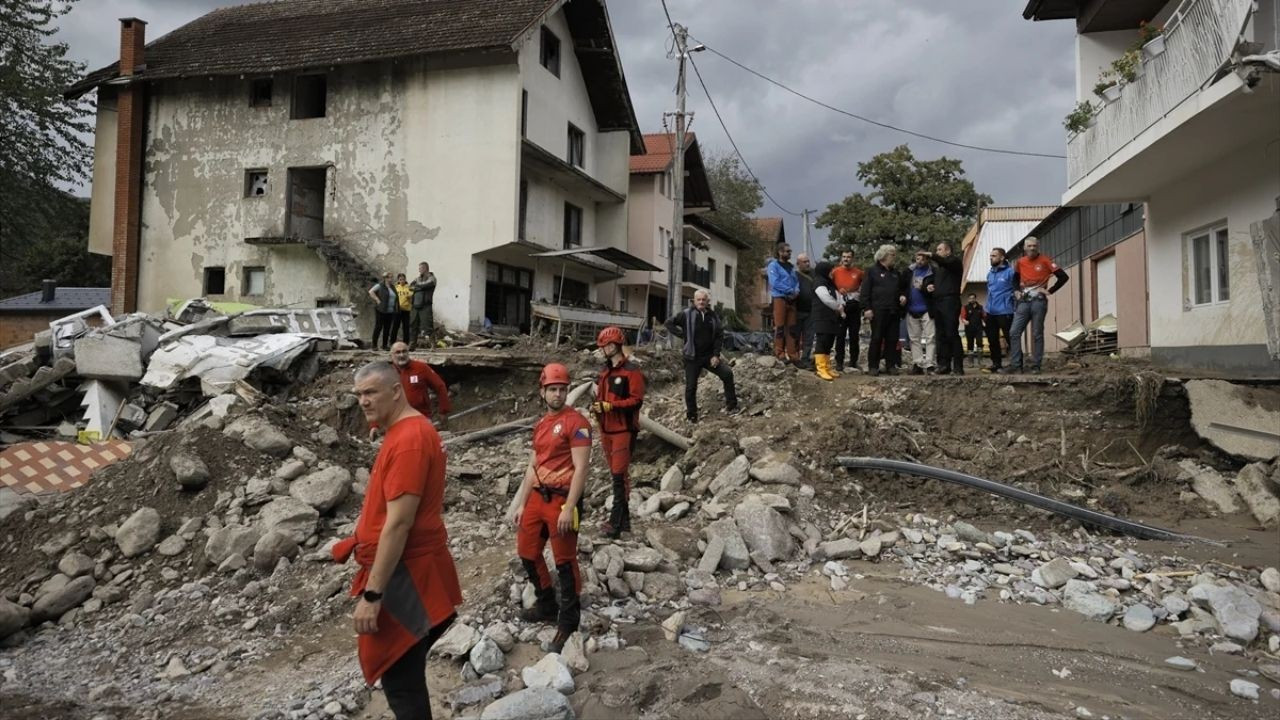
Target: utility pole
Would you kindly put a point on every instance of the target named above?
(808, 246)
(676, 242)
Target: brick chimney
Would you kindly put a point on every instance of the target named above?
(130, 121)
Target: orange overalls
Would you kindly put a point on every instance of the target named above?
(622, 386)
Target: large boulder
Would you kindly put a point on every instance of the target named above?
(13, 617)
(139, 533)
(734, 475)
(530, 704)
(290, 516)
(549, 672)
(764, 530)
(231, 540)
(189, 470)
(641, 559)
(673, 480)
(255, 432)
(323, 489)
(735, 555)
(52, 605)
(14, 504)
(775, 467)
(1235, 611)
(271, 547)
(486, 656)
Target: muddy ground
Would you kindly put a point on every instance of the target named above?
(887, 647)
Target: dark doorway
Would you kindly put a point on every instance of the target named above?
(507, 293)
(306, 203)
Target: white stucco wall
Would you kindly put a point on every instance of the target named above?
(648, 210)
(1241, 188)
(423, 165)
(723, 253)
(103, 194)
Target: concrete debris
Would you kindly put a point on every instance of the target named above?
(1212, 486)
(1254, 486)
(1236, 419)
(1139, 618)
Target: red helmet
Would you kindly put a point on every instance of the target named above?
(554, 374)
(612, 334)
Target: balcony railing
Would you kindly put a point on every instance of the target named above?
(1198, 40)
(697, 275)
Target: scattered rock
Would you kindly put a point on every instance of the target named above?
(189, 470)
(323, 489)
(764, 531)
(1251, 484)
(172, 545)
(255, 432)
(14, 504)
(139, 533)
(13, 617)
(673, 625)
(1244, 688)
(486, 656)
(642, 559)
(1055, 573)
(549, 672)
(1270, 579)
(734, 475)
(775, 468)
(270, 548)
(1211, 486)
(673, 480)
(870, 547)
(290, 516)
(75, 564)
(1181, 663)
(475, 692)
(1080, 597)
(1139, 618)
(735, 555)
(230, 540)
(53, 605)
(530, 704)
(840, 549)
(457, 641)
(1235, 611)
(291, 469)
(711, 556)
(575, 654)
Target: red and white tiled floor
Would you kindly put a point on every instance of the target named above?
(49, 466)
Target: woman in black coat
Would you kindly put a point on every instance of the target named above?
(828, 316)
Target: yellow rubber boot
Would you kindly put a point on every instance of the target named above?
(822, 367)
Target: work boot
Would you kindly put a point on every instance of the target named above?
(609, 530)
(821, 362)
(917, 370)
(873, 371)
(544, 610)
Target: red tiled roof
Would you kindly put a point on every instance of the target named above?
(658, 152)
(770, 227)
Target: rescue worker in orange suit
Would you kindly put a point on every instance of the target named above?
(407, 582)
(417, 377)
(546, 506)
(619, 394)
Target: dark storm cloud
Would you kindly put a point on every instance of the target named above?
(972, 71)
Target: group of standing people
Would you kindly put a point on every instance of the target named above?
(823, 310)
(404, 308)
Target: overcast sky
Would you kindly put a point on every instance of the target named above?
(974, 72)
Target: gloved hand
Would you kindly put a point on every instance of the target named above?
(599, 408)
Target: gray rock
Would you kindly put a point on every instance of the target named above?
(673, 480)
(764, 531)
(734, 475)
(475, 692)
(1244, 688)
(1251, 484)
(139, 533)
(52, 605)
(1235, 611)
(291, 469)
(693, 641)
(323, 489)
(1181, 663)
(327, 436)
(840, 549)
(711, 556)
(257, 433)
(870, 547)
(75, 564)
(677, 511)
(735, 555)
(501, 634)
(642, 559)
(1055, 573)
(457, 641)
(189, 470)
(661, 587)
(14, 504)
(530, 704)
(969, 533)
(13, 617)
(549, 672)
(1211, 486)
(575, 654)
(1270, 579)
(1139, 618)
(1080, 597)
(775, 468)
(270, 548)
(289, 516)
(230, 540)
(1175, 605)
(171, 546)
(486, 656)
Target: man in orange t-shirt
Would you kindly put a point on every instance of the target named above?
(407, 582)
(546, 506)
(848, 280)
(416, 378)
(1031, 274)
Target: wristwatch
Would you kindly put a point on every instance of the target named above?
(371, 596)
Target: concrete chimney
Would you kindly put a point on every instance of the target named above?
(48, 290)
(130, 121)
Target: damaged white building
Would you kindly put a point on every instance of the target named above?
(287, 154)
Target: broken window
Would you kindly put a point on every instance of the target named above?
(306, 190)
(572, 225)
(327, 302)
(507, 293)
(570, 291)
(550, 55)
(260, 92)
(255, 281)
(308, 97)
(577, 147)
(215, 280)
(255, 183)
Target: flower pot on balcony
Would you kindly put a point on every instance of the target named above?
(1111, 94)
(1154, 48)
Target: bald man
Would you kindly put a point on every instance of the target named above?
(703, 334)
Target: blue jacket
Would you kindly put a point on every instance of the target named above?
(919, 300)
(1000, 289)
(784, 282)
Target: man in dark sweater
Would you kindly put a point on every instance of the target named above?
(804, 308)
(948, 274)
(883, 293)
(703, 335)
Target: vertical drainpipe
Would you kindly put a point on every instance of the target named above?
(130, 120)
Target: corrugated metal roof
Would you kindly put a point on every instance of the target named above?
(64, 298)
(995, 234)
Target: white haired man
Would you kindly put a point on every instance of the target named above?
(883, 294)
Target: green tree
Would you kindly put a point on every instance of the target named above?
(910, 203)
(42, 146)
(737, 197)
(62, 255)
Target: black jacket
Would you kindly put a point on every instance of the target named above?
(948, 274)
(805, 301)
(703, 336)
(825, 320)
(881, 287)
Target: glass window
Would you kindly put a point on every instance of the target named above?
(550, 54)
(1210, 266)
(577, 153)
(1201, 270)
(1224, 265)
(572, 225)
(255, 281)
(728, 275)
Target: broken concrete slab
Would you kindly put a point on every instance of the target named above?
(100, 356)
(22, 389)
(1253, 485)
(1237, 419)
(161, 417)
(1211, 485)
(220, 362)
(65, 330)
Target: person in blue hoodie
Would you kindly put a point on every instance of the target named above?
(1001, 281)
(784, 288)
(920, 311)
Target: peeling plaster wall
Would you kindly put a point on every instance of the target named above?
(422, 165)
(1240, 189)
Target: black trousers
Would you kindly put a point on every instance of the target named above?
(997, 324)
(884, 339)
(972, 336)
(823, 342)
(383, 327)
(692, 369)
(405, 682)
(947, 319)
(852, 329)
(400, 326)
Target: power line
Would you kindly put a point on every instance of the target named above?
(868, 120)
